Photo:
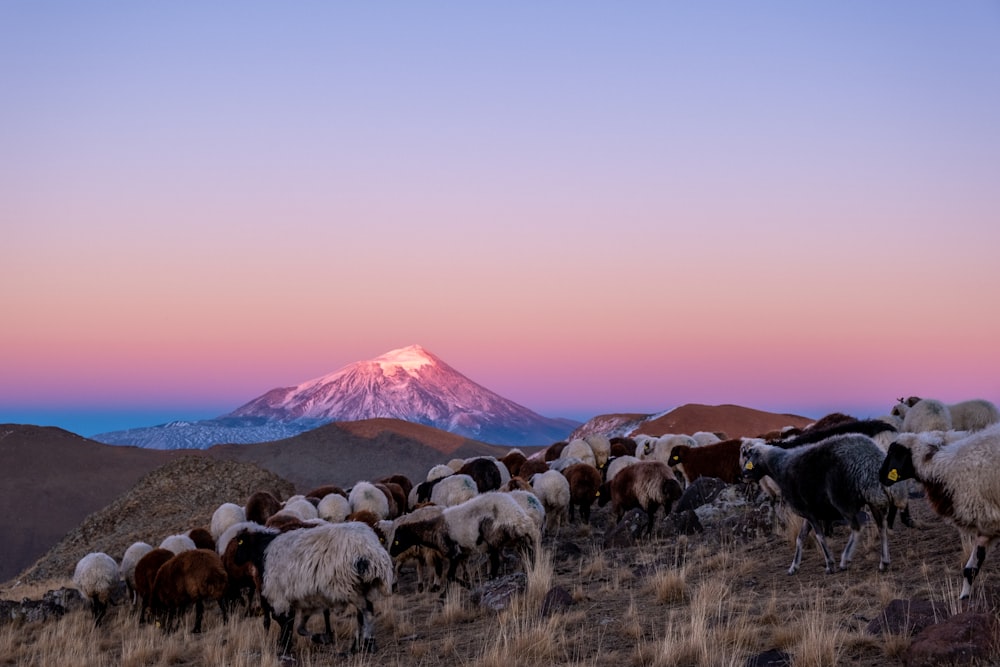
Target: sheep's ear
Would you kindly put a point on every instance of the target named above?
(893, 475)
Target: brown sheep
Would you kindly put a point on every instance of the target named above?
(554, 450)
(404, 483)
(189, 577)
(364, 516)
(648, 485)
(721, 460)
(261, 506)
(394, 494)
(584, 483)
(321, 492)
(514, 459)
(484, 472)
(622, 446)
(202, 538)
(532, 467)
(145, 575)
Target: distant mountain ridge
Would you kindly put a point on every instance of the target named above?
(409, 384)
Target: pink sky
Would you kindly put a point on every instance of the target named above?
(583, 209)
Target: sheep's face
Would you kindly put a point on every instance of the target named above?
(677, 455)
(753, 466)
(898, 465)
(404, 538)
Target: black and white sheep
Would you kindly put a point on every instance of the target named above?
(190, 577)
(98, 579)
(832, 480)
(327, 567)
(961, 482)
(648, 485)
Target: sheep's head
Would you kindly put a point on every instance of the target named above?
(754, 467)
(678, 454)
(898, 465)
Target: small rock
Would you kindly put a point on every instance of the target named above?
(772, 658)
(682, 523)
(960, 640)
(498, 593)
(700, 492)
(557, 600)
(626, 532)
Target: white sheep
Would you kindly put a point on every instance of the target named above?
(365, 496)
(439, 471)
(925, 414)
(530, 503)
(456, 464)
(454, 490)
(97, 578)
(299, 507)
(973, 415)
(961, 482)
(224, 516)
(705, 438)
(552, 489)
(178, 543)
(127, 568)
(334, 508)
(327, 567)
(617, 464)
(578, 449)
(561, 464)
(601, 446)
(659, 449)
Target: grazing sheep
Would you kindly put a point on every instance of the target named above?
(660, 448)
(648, 485)
(617, 464)
(961, 482)
(601, 446)
(533, 467)
(579, 449)
(224, 516)
(584, 482)
(300, 507)
(321, 492)
(720, 460)
(260, 506)
(923, 415)
(178, 543)
(145, 575)
(334, 508)
(454, 490)
(530, 503)
(127, 568)
(426, 558)
(514, 459)
(831, 480)
(97, 578)
(404, 484)
(622, 446)
(327, 567)
(561, 464)
(554, 451)
(706, 438)
(394, 496)
(190, 577)
(367, 496)
(202, 538)
(973, 415)
(552, 489)
(242, 580)
(484, 472)
(515, 484)
(439, 471)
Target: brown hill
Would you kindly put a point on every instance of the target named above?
(174, 498)
(344, 452)
(52, 479)
(733, 420)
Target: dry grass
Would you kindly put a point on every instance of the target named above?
(669, 602)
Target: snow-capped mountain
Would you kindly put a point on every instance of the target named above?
(409, 384)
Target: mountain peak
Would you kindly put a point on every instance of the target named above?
(409, 359)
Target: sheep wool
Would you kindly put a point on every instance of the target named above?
(224, 516)
(97, 578)
(365, 496)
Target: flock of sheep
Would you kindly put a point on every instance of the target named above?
(333, 549)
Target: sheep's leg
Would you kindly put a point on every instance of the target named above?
(883, 534)
(650, 516)
(571, 517)
(99, 609)
(827, 556)
(199, 613)
(585, 513)
(799, 542)
(325, 637)
(848, 554)
(225, 612)
(285, 623)
(365, 639)
(975, 563)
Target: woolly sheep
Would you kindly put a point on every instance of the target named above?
(334, 508)
(145, 576)
(425, 557)
(224, 516)
(514, 459)
(533, 467)
(394, 496)
(456, 464)
(584, 482)
(961, 482)
(561, 464)
(260, 506)
(530, 503)
(327, 567)
(720, 460)
(973, 415)
(828, 481)
(924, 415)
(706, 438)
(177, 543)
(648, 485)
(404, 483)
(242, 580)
(97, 578)
(553, 451)
(366, 496)
(300, 507)
(579, 449)
(453, 490)
(601, 446)
(439, 471)
(484, 472)
(659, 449)
(202, 538)
(617, 464)
(552, 489)
(127, 568)
(622, 446)
(190, 577)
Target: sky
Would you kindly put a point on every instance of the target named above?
(586, 207)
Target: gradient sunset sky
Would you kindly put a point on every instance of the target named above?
(587, 207)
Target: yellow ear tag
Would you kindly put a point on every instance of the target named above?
(598, 494)
(893, 475)
(677, 458)
(749, 465)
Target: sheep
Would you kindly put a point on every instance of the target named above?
(366, 496)
(561, 464)
(490, 522)
(202, 538)
(425, 557)
(484, 472)
(515, 484)
(178, 543)
(579, 449)
(300, 507)
(394, 496)
(190, 577)
(145, 575)
(973, 415)
(554, 451)
(127, 568)
(660, 448)
(648, 485)
(720, 460)
(260, 506)
(439, 471)
(334, 508)
(224, 516)
(404, 484)
(827, 481)
(961, 483)
(923, 415)
(97, 578)
(552, 489)
(584, 482)
(617, 464)
(453, 490)
(706, 438)
(321, 492)
(514, 459)
(533, 467)
(622, 446)
(330, 566)
(601, 446)
(531, 504)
